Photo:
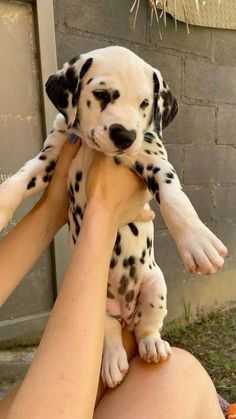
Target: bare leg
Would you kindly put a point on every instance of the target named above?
(178, 388)
(131, 349)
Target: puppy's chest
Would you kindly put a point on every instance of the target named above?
(132, 258)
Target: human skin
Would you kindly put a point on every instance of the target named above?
(63, 379)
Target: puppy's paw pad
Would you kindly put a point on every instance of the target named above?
(114, 366)
(154, 349)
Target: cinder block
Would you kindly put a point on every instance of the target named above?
(166, 254)
(69, 45)
(55, 9)
(225, 204)
(176, 158)
(202, 199)
(197, 42)
(208, 165)
(106, 17)
(208, 82)
(224, 46)
(226, 122)
(192, 125)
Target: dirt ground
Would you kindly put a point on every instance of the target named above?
(212, 339)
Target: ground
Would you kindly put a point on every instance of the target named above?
(212, 339)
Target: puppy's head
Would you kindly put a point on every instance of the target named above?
(111, 97)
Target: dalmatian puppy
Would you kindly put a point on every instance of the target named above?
(119, 105)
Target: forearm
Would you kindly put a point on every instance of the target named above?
(67, 364)
(24, 244)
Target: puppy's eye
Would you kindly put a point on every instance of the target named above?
(101, 94)
(144, 104)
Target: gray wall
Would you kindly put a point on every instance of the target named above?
(201, 70)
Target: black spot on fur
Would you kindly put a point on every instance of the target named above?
(32, 183)
(74, 240)
(118, 238)
(46, 178)
(42, 157)
(168, 181)
(56, 88)
(109, 294)
(133, 228)
(115, 95)
(51, 166)
(85, 67)
(117, 160)
(113, 263)
(170, 175)
(73, 60)
(148, 140)
(150, 166)
(76, 95)
(161, 297)
(129, 296)
(152, 184)
(139, 167)
(76, 187)
(157, 196)
(124, 282)
(78, 176)
(149, 243)
(117, 249)
(89, 81)
(88, 103)
(147, 152)
(72, 79)
(78, 210)
(47, 148)
(132, 272)
(131, 260)
(156, 170)
(152, 305)
(125, 263)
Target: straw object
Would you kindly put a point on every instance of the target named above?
(210, 13)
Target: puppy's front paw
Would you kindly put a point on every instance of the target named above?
(154, 349)
(200, 249)
(114, 365)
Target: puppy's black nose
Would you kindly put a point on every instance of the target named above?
(121, 137)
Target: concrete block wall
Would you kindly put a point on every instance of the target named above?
(200, 69)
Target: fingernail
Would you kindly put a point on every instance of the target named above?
(73, 138)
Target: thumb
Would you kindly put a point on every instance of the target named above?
(145, 215)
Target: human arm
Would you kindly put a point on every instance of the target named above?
(34, 232)
(62, 381)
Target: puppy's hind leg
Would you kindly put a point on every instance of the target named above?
(114, 360)
(149, 317)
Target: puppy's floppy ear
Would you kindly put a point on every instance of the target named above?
(63, 87)
(165, 106)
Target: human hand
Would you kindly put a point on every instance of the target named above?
(120, 193)
(56, 195)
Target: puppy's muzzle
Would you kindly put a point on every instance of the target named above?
(121, 137)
